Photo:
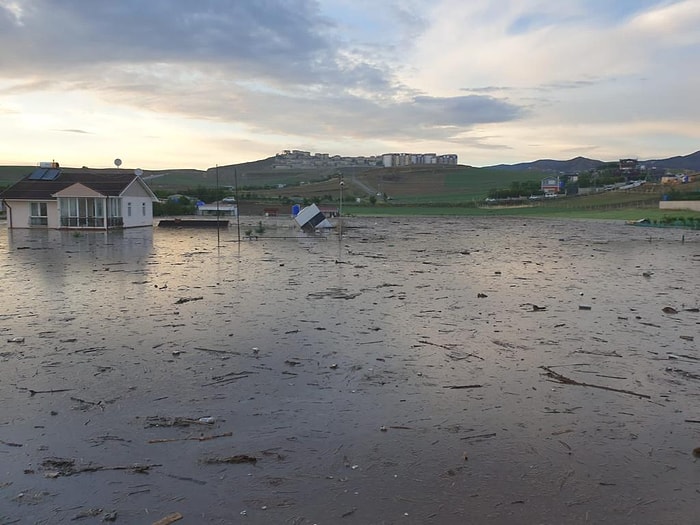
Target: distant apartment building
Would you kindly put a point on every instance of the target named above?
(631, 169)
(627, 165)
(390, 160)
(305, 159)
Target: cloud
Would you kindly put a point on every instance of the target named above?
(465, 110)
(79, 131)
(341, 114)
(272, 66)
(267, 37)
(477, 75)
(554, 41)
(276, 45)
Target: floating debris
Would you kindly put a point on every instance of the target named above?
(183, 300)
(669, 310)
(237, 459)
(170, 518)
(161, 421)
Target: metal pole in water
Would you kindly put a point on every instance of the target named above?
(340, 219)
(218, 218)
(238, 207)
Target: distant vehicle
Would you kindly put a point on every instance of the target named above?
(631, 185)
(229, 200)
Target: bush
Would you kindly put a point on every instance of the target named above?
(173, 208)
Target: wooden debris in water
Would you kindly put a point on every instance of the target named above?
(237, 459)
(559, 378)
(170, 518)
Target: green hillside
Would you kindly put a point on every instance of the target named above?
(435, 184)
(11, 174)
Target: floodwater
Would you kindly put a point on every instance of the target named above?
(391, 377)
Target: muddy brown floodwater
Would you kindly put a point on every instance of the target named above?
(440, 371)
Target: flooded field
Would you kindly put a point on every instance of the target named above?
(442, 371)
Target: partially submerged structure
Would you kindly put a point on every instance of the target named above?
(311, 218)
(51, 197)
(194, 223)
(222, 208)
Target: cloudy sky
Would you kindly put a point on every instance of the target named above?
(183, 83)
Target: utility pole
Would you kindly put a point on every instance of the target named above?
(238, 207)
(340, 208)
(340, 218)
(218, 217)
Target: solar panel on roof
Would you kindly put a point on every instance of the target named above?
(38, 174)
(50, 174)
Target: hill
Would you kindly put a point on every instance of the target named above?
(582, 164)
(434, 184)
(575, 165)
(11, 174)
(686, 162)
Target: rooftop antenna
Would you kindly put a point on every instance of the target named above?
(117, 162)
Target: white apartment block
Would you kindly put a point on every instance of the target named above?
(390, 160)
(305, 159)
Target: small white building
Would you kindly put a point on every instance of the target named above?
(68, 198)
(222, 208)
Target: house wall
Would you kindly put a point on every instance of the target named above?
(18, 213)
(137, 197)
(680, 205)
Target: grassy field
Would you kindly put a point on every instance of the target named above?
(412, 185)
(626, 214)
(612, 205)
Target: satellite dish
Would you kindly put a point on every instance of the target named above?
(117, 162)
(138, 172)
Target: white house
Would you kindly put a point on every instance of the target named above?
(69, 198)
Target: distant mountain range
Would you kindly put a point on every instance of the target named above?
(582, 164)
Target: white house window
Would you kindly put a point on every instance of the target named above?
(128, 209)
(115, 207)
(82, 212)
(143, 209)
(38, 215)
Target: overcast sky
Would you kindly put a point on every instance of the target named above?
(183, 83)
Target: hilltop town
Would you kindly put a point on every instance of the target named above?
(305, 159)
